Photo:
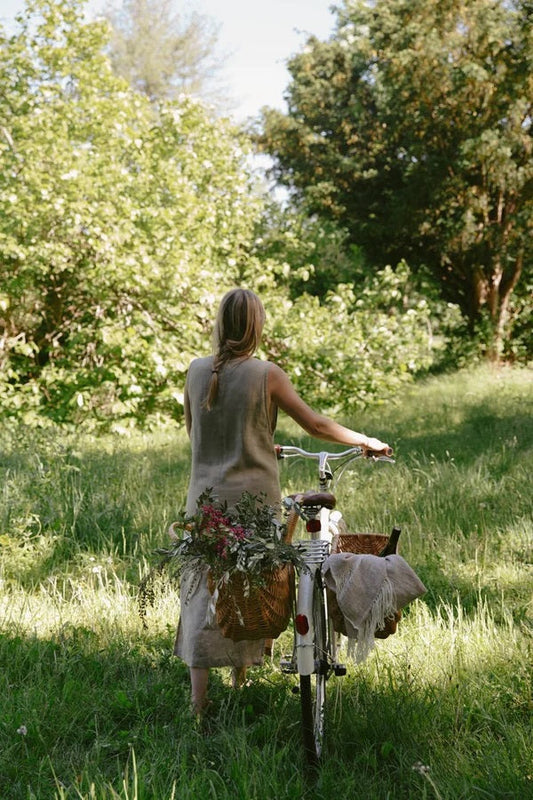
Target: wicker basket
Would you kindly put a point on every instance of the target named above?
(362, 544)
(262, 614)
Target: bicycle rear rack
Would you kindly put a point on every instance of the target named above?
(313, 551)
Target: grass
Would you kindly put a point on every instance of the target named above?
(93, 705)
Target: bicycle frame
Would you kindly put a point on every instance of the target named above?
(314, 551)
(315, 640)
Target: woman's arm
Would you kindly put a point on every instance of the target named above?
(284, 395)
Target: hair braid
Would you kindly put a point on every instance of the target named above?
(237, 333)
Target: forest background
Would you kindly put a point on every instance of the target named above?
(127, 205)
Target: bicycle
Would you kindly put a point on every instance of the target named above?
(314, 656)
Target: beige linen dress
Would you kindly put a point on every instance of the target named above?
(232, 452)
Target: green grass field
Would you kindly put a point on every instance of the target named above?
(93, 705)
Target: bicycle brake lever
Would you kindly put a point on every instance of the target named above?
(383, 458)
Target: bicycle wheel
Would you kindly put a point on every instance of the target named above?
(313, 687)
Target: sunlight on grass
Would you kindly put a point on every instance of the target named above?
(434, 649)
(102, 602)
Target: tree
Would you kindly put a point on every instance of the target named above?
(118, 220)
(411, 127)
(162, 53)
(123, 221)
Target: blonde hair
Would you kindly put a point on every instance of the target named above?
(237, 333)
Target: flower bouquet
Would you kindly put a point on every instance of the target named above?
(250, 566)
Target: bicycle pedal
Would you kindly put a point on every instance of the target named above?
(287, 665)
(339, 669)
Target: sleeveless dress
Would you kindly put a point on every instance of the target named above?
(232, 452)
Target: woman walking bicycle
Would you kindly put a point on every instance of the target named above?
(231, 405)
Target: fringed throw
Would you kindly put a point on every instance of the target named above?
(369, 589)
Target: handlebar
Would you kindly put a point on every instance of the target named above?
(324, 457)
(288, 450)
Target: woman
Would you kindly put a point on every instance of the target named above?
(231, 405)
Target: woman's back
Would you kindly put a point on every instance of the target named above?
(232, 442)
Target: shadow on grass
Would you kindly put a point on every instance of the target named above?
(85, 707)
(85, 710)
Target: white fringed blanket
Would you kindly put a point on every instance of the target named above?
(369, 589)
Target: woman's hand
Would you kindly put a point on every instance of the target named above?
(376, 446)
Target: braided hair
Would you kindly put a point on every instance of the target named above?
(237, 333)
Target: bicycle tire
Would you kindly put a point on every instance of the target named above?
(313, 687)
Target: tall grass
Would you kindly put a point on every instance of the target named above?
(93, 704)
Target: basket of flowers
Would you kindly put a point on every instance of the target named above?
(250, 566)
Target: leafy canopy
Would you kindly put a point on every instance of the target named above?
(411, 127)
(122, 223)
(117, 221)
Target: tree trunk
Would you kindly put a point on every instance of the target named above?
(499, 294)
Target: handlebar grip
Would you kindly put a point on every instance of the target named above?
(376, 453)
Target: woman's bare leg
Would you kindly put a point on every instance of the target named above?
(238, 676)
(199, 680)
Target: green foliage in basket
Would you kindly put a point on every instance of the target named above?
(246, 539)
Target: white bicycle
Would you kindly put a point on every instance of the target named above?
(314, 656)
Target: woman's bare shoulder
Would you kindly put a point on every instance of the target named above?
(280, 384)
(202, 361)
(276, 372)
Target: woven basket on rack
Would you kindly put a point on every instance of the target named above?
(370, 543)
(263, 613)
(362, 544)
